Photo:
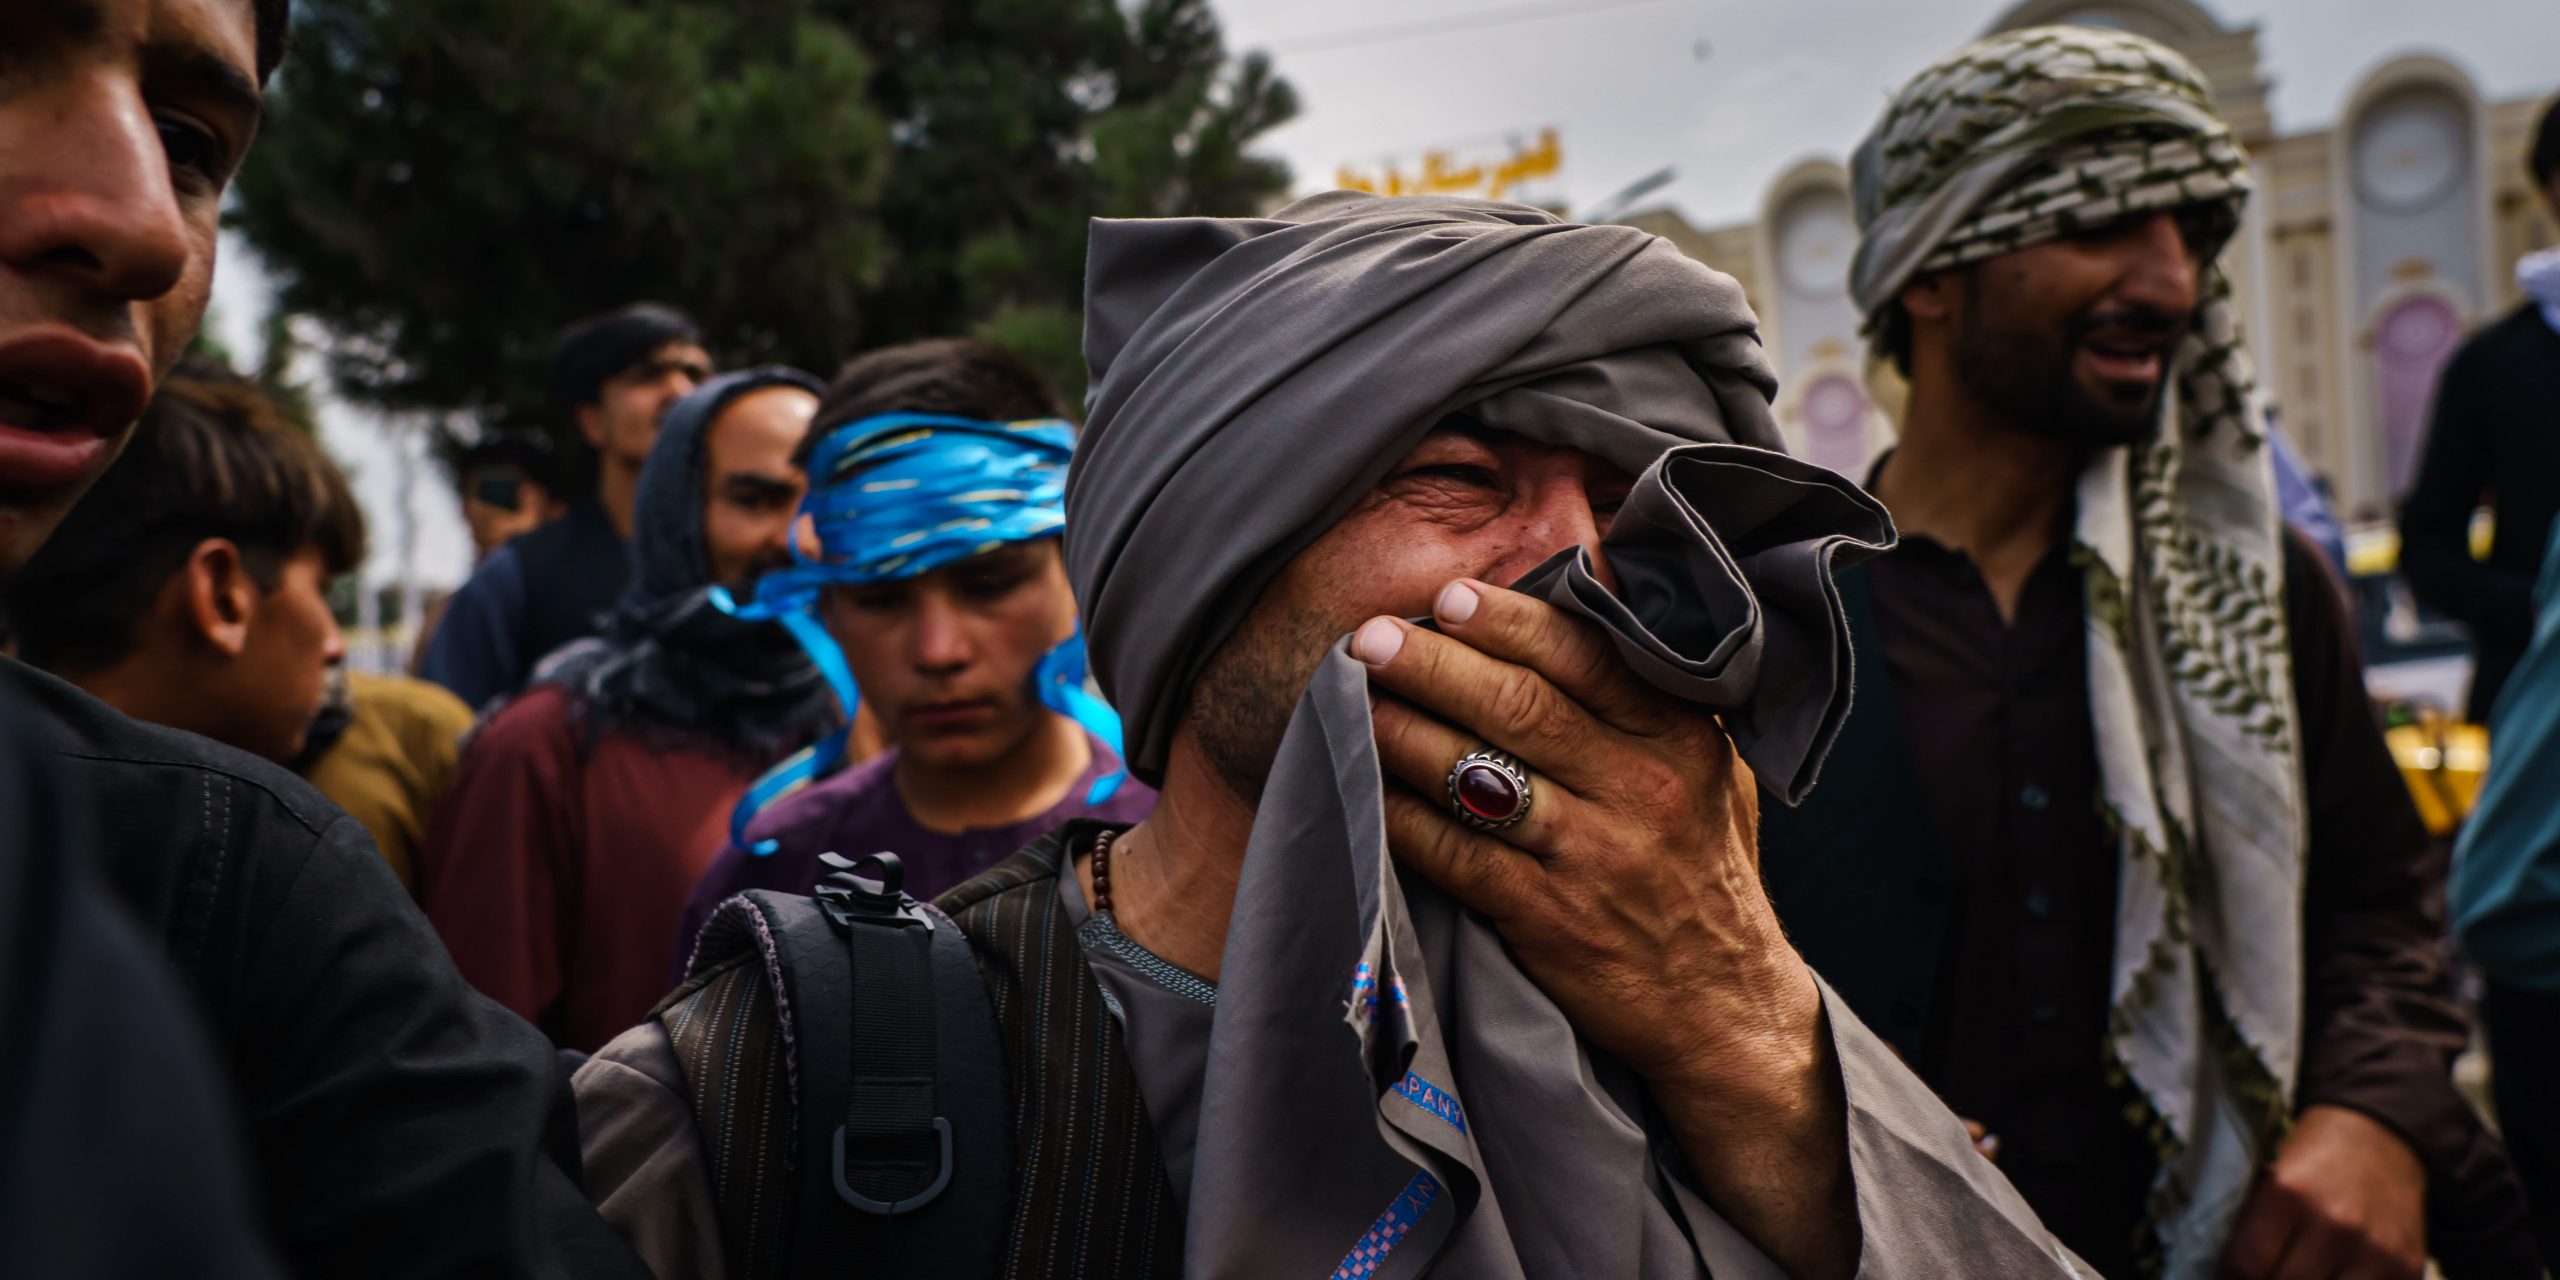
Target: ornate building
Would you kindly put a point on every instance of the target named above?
(2370, 249)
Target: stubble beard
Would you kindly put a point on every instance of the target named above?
(1242, 703)
(2024, 373)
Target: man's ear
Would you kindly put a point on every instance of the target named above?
(217, 597)
(591, 423)
(1931, 297)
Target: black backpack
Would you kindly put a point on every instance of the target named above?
(900, 1161)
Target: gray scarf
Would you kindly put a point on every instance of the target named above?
(669, 666)
(1385, 1088)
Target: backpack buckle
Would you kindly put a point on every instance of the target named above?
(846, 895)
(891, 1208)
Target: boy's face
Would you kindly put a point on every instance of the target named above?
(272, 683)
(945, 659)
(121, 121)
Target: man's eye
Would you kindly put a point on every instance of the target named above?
(878, 601)
(983, 589)
(1463, 473)
(194, 151)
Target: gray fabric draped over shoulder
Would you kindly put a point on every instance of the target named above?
(1384, 1085)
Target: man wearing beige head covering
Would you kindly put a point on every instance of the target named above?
(2127, 872)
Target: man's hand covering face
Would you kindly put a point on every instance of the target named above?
(1253, 377)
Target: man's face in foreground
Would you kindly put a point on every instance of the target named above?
(1464, 503)
(2072, 338)
(120, 123)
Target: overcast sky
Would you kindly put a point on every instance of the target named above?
(1732, 92)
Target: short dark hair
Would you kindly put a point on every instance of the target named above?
(528, 454)
(212, 458)
(1890, 336)
(959, 377)
(2545, 160)
(275, 19)
(594, 350)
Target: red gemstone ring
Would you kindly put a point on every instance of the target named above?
(1489, 789)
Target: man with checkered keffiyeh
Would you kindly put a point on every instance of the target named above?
(2170, 938)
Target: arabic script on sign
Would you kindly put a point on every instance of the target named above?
(1442, 174)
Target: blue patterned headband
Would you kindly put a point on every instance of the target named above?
(899, 495)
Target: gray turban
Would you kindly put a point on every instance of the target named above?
(1252, 379)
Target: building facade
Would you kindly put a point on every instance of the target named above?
(2369, 251)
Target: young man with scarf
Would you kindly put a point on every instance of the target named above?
(397, 1124)
(585, 808)
(1444, 947)
(946, 607)
(2112, 850)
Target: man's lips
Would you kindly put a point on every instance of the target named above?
(957, 713)
(2124, 358)
(41, 460)
(63, 397)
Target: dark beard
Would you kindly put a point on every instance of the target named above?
(2023, 370)
(1241, 704)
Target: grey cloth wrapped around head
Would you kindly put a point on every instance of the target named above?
(1380, 1070)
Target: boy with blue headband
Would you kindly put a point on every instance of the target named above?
(936, 597)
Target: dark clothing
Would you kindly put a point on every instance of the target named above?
(402, 1125)
(2523, 1027)
(2495, 434)
(558, 866)
(1996, 726)
(112, 1106)
(859, 811)
(1956, 884)
(531, 596)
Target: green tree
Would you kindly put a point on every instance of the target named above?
(443, 184)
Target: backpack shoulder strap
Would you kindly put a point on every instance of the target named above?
(890, 1143)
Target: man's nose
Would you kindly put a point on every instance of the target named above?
(1558, 515)
(779, 535)
(2161, 271)
(941, 635)
(333, 648)
(91, 201)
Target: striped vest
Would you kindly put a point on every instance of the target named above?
(1092, 1197)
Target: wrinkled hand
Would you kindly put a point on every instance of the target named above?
(2346, 1198)
(1630, 893)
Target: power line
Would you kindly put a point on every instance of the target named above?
(1332, 41)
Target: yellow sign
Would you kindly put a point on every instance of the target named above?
(1441, 175)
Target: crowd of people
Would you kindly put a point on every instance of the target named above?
(1407, 778)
